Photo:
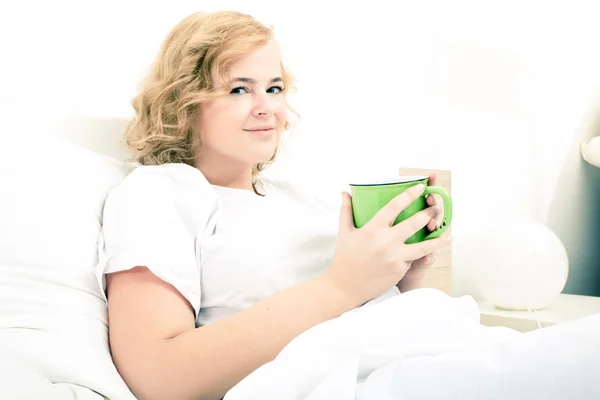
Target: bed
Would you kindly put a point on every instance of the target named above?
(53, 323)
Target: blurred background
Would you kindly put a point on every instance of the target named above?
(501, 93)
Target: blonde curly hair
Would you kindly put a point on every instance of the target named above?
(164, 129)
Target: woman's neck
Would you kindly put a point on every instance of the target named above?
(227, 175)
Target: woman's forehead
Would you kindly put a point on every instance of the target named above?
(262, 64)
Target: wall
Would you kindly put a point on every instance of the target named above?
(494, 91)
(574, 211)
(567, 113)
(516, 85)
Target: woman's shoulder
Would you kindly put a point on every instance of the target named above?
(171, 178)
(177, 188)
(177, 173)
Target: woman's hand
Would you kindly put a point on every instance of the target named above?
(374, 258)
(414, 277)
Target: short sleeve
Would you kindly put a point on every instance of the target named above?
(148, 221)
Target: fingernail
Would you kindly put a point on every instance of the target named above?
(420, 187)
(448, 239)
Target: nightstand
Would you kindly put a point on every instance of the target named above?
(565, 308)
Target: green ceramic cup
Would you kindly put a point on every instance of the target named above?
(370, 197)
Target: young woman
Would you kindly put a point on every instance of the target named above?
(209, 268)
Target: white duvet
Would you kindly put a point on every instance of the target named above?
(426, 345)
(21, 381)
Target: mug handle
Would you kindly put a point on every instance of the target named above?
(447, 219)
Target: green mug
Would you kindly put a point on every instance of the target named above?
(369, 198)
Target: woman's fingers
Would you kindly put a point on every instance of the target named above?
(410, 226)
(432, 225)
(415, 223)
(414, 251)
(431, 200)
(388, 214)
(435, 200)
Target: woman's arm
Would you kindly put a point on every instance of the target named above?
(161, 355)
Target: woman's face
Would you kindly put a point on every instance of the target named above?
(243, 128)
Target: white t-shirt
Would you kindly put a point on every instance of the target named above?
(223, 249)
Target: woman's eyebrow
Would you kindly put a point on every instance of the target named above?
(253, 81)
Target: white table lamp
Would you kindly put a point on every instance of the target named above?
(590, 151)
(522, 265)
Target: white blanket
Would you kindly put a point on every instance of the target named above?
(20, 381)
(426, 345)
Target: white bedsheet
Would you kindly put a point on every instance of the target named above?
(58, 360)
(19, 381)
(426, 345)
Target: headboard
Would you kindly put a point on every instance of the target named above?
(102, 135)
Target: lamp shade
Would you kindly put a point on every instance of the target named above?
(590, 151)
(522, 264)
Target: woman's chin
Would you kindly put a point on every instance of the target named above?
(265, 155)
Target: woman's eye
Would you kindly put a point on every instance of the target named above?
(239, 90)
(275, 89)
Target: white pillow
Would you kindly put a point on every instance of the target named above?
(52, 314)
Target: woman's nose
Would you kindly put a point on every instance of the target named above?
(263, 105)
